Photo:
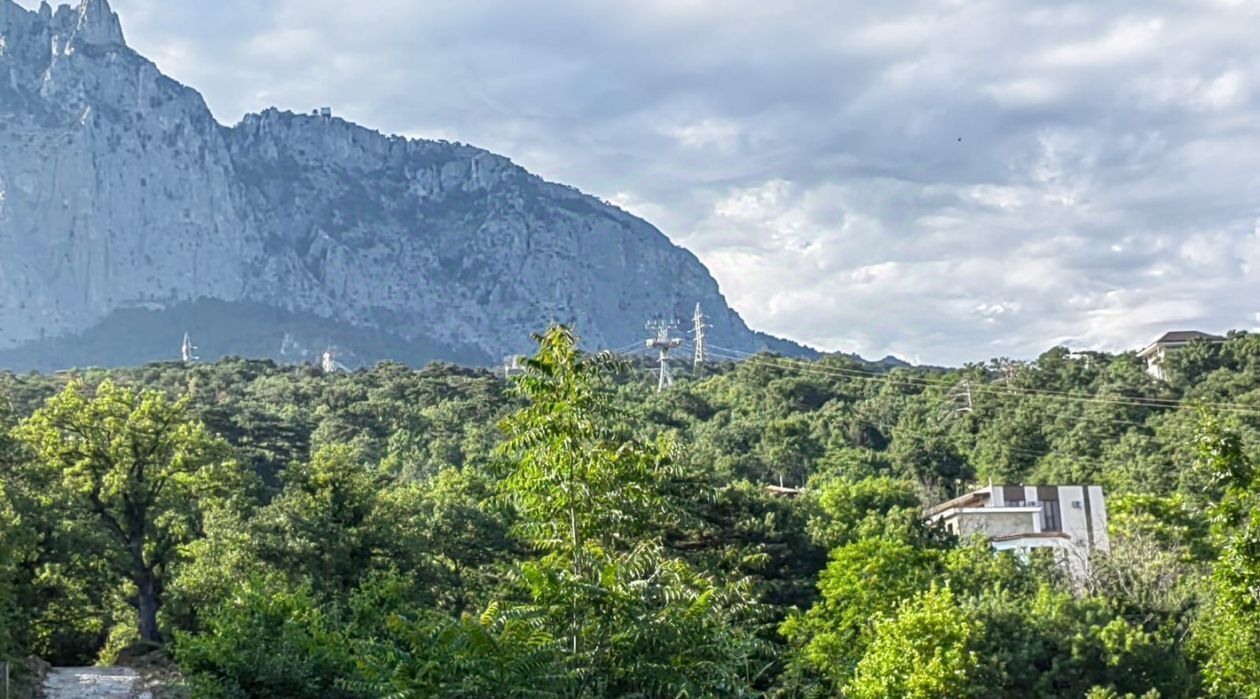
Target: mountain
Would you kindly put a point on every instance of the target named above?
(128, 216)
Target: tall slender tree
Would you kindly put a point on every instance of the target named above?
(593, 501)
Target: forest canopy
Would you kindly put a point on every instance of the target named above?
(755, 530)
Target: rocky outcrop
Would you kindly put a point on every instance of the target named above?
(119, 191)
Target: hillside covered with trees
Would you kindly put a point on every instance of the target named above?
(281, 532)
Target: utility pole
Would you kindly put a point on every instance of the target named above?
(698, 332)
(663, 343)
(188, 351)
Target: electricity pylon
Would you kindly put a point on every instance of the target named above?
(698, 333)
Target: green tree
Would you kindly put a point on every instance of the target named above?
(140, 464)
(592, 500)
(268, 640)
(788, 449)
(864, 580)
(321, 526)
(9, 533)
(583, 493)
(925, 651)
(1230, 630)
(492, 655)
(923, 451)
(868, 508)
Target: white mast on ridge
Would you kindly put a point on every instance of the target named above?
(663, 343)
(187, 350)
(328, 362)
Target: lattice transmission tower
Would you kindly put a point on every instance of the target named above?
(697, 332)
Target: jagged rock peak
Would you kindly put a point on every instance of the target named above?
(98, 24)
(92, 22)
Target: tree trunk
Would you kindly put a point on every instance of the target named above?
(147, 594)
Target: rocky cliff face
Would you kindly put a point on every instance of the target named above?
(120, 193)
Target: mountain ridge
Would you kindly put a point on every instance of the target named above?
(121, 191)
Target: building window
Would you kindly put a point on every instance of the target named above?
(1051, 519)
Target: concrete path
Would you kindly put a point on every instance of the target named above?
(93, 683)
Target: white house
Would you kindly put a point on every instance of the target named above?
(1155, 353)
(1070, 519)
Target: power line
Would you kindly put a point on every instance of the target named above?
(1010, 390)
(1153, 403)
(1041, 413)
(1148, 439)
(632, 348)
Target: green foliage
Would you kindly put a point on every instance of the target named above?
(625, 541)
(1035, 639)
(324, 523)
(580, 488)
(10, 530)
(1229, 632)
(493, 655)
(1172, 522)
(879, 507)
(140, 465)
(924, 651)
(1109, 693)
(590, 500)
(268, 641)
(1050, 643)
(864, 580)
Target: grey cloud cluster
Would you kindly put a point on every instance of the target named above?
(947, 180)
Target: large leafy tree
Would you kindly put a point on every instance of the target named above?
(140, 464)
(592, 501)
(1230, 631)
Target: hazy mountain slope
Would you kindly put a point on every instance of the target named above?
(120, 193)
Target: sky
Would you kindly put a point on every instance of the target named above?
(943, 180)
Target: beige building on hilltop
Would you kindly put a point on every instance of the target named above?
(1070, 519)
(1157, 352)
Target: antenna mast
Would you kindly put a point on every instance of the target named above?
(513, 365)
(698, 332)
(663, 343)
(187, 350)
(328, 362)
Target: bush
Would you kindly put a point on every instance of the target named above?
(268, 642)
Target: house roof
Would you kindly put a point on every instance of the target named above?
(973, 498)
(1187, 336)
(1030, 535)
(779, 490)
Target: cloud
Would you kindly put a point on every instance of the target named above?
(943, 180)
